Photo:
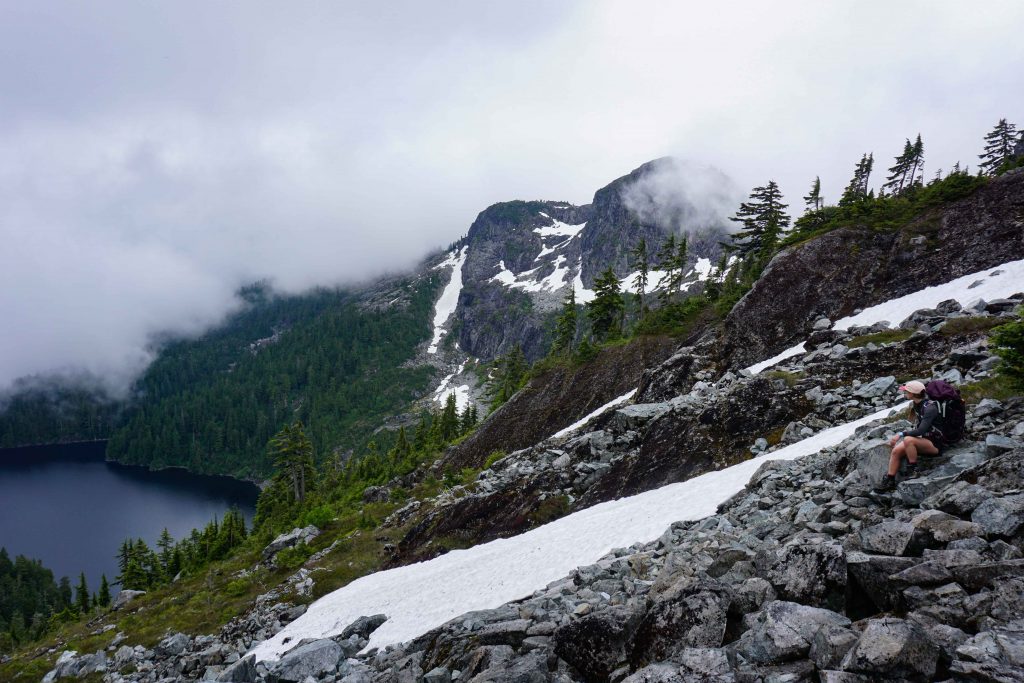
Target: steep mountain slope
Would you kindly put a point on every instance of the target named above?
(347, 362)
(856, 267)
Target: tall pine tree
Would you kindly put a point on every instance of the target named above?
(813, 200)
(999, 145)
(857, 189)
(606, 310)
(640, 262)
(764, 219)
(565, 327)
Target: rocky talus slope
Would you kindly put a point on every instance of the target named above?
(804, 575)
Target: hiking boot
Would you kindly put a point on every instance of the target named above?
(911, 470)
(888, 484)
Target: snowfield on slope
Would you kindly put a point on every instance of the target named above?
(420, 597)
(449, 299)
(991, 283)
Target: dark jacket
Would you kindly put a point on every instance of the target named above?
(927, 412)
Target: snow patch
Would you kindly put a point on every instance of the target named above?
(422, 596)
(615, 402)
(993, 283)
(560, 229)
(445, 388)
(788, 353)
(702, 268)
(523, 281)
(583, 295)
(445, 306)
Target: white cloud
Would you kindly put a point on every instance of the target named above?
(157, 156)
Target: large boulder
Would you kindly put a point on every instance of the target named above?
(893, 648)
(809, 571)
(311, 659)
(996, 655)
(290, 540)
(1000, 516)
(686, 616)
(598, 643)
(784, 631)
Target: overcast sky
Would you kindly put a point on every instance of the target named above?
(155, 155)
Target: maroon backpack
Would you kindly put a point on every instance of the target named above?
(952, 411)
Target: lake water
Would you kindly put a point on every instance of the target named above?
(67, 506)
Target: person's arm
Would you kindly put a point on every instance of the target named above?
(924, 425)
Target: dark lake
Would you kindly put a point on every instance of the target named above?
(67, 506)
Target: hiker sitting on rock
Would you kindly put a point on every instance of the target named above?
(924, 439)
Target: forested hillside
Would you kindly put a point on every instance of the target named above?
(211, 404)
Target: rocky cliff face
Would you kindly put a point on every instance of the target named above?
(852, 268)
(522, 257)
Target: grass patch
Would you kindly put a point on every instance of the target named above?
(998, 387)
(883, 337)
(790, 378)
(956, 326)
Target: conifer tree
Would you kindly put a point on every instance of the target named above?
(402, 447)
(565, 326)
(640, 262)
(449, 419)
(667, 263)
(606, 310)
(103, 599)
(82, 595)
(293, 457)
(857, 189)
(999, 145)
(764, 220)
(508, 376)
(897, 178)
(468, 418)
(166, 545)
(813, 200)
(917, 162)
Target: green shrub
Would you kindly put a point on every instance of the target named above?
(1009, 345)
(318, 516)
(292, 558)
(236, 588)
(493, 458)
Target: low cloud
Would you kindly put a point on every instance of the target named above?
(158, 156)
(683, 196)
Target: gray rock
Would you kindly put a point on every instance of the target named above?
(893, 648)
(888, 538)
(924, 574)
(948, 306)
(995, 655)
(960, 498)
(822, 324)
(1000, 516)
(596, 644)
(944, 528)
(125, 597)
(242, 671)
(876, 387)
(830, 644)
(806, 571)
(869, 579)
(638, 415)
(687, 615)
(986, 407)
(312, 659)
(363, 626)
(657, 673)
(173, 645)
(915, 491)
(438, 675)
(784, 631)
(290, 540)
(996, 444)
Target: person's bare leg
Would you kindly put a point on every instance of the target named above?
(915, 446)
(894, 458)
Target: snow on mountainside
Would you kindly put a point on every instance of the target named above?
(419, 597)
(968, 290)
(449, 299)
